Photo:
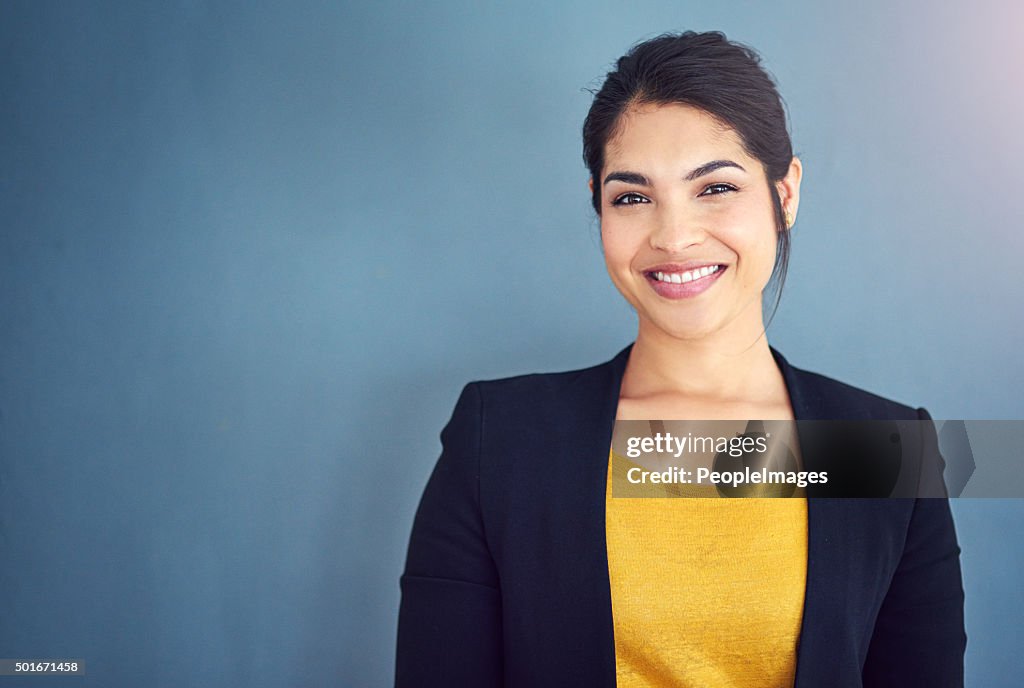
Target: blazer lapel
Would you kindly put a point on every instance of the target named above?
(547, 525)
(600, 594)
(834, 540)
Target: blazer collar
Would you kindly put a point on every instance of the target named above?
(829, 523)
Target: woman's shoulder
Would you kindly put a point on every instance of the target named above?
(576, 398)
(815, 395)
(595, 380)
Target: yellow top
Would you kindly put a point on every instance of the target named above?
(705, 591)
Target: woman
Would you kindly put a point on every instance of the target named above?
(523, 570)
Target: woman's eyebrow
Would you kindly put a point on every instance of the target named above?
(709, 167)
(641, 180)
(628, 177)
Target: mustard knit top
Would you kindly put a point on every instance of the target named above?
(705, 592)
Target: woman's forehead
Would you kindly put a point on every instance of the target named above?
(672, 132)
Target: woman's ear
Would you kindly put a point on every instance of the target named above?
(590, 185)
(789, 189)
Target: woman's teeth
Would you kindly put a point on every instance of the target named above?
(688, 276)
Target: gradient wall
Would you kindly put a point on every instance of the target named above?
(249, 255)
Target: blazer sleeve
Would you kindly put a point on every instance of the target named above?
(449, 623)
(919, 637)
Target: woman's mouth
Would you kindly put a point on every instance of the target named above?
(682, 284)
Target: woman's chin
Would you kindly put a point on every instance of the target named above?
(709, 327)
(688, 330)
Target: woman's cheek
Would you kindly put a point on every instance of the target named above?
(617, 243)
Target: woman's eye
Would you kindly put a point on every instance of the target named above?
(630, 199)
(715, 189)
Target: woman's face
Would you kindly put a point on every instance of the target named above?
(687, 223)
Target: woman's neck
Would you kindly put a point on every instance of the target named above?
(709, 368)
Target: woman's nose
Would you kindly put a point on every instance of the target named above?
(677, 228)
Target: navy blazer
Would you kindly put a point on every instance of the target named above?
(506, 579)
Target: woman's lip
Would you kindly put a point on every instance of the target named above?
(671, 290)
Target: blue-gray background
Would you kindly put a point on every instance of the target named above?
(250, 255)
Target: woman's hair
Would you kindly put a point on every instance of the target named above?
(709, 72)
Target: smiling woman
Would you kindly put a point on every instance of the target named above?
(523, 569)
